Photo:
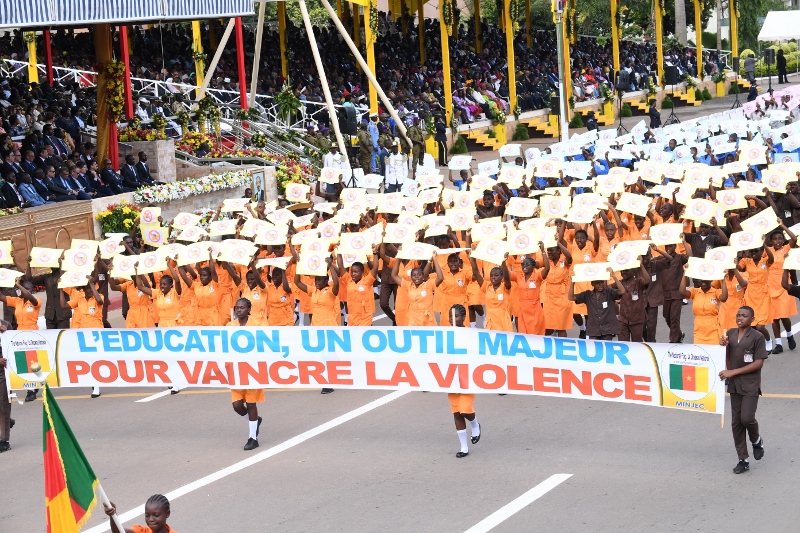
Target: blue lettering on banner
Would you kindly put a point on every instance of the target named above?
(111, 341)
(564, 349)
(82, 342)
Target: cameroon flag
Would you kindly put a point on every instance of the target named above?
(69, 482)
(688, 378)
(25, 359)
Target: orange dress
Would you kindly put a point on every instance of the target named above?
(514, 262)
(705, 306)
(168, 307)
(247, 395)
(280, 306)
(258, 300)
(453, 290)
(26, 313)
(757, 295)
(498, 305)
(324, 306)
(89, 311)
(226, 288)
(531, 317)
(783, 304)
(728, 308)
(360, 300)
(420, 302)
(579, 257)
(209, 298)
(401, 299)
(557, 307)
(144, 529)
(139, 315)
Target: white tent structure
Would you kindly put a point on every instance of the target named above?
(780, 26)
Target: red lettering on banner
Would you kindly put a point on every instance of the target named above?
(193, 376)
(632, 387)
(229, 373)
(213, 373)
(599, 385)
(543, 377)
(372, 379)
(402, 373)
(75, 369)
(446, 380)
(113, 373)
(157, 368)
(499, 377)
(337, 375)
(584, 385)
(312, 369)
(513, 383)
(246, 371)
(275, 373)
(137, 367)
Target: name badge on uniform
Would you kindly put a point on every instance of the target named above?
(139, 294)
(738, 288)
(645, 236)
(168, 300)
(523, 257)
(500, 297)
(408, 273)
(283, 299)
(587, 257)
(360, 288)
(561, 264)
(709, 247)
(461, 283)
(713, 301)
(92, 310)
(101, 277)
(29, 309)
(787, 214)
(19, 292)
(763, 267)
(210, 288)
(748, 357)
(256, 296)
(634, 296)
(423, 293)
(532, 285)
(653, 277)
(605, 305)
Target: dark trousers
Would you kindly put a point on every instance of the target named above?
(782, 76)
(57, 324)
(651, 324)
(5, 409)
(602, 337)
(442, 152)
(387, 290)
(743, 420)
(672, 314)
(630, 332)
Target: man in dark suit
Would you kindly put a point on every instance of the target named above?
(76, 184)
(90, 185)
(37, 180)
(56, 191)
(51, 139)
(28, 163)
(11, 193)
(143, 171)
(112, 179)
(10, 163)
(41, 159)
(130, 178)
(63, 181)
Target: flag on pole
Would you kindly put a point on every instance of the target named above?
(69, 481)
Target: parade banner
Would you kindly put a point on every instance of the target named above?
(682, 376)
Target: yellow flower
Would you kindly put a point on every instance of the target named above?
(126, 210)
(128, 222)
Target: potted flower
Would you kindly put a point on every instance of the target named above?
(719, 81)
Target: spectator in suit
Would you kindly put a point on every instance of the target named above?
(112, 179)
(11, 193)
(130, 178)
(67, 123)
(89, 183)
(28, 191)
(41, 159)
(60, 148)
(57, 192)
(92, 176)
(75, 182)
(63, 181)
(28, 163)
(143, 171)
(10, 163)
(38, 183)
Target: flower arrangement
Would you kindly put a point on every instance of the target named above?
(287, 102)
(29, 37)
(447, 15)
(258, 140)
(10, 211)
(499, 118)
(134, 135)
(115, 90)
(118, 218)
(513, 11)
(289, 174)
(198, 57)
(135, 123)
(159, 122)
(191, 187)
(430, 127)
(651, 86)
(373, 20)
(207, 110)
(183, 119)
(606, 93)
(246, 114)
(192, 140)
(691, 83)
(719, 76)
(517, 112)
(205, 214)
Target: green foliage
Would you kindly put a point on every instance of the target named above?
(626, 110)
(750, 11)
(667, 103)
(734, 89)
(491, 133)
(706, 94)
(460, 146)
(317, 13)
(576, 122)
(698, 95)
(520, 133)
(710, 41)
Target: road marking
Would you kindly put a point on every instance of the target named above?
(257, 458)
(155, 396)
(378, 317)
(507, 511)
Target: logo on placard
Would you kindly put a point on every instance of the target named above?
(29, 360)
(239, 253)
(521, 242)
(412, 205)
(295, 192)
(329, 174)
(5, 275)
(184, 220)
(358, 242)
(417, 251)
(271, 235)
(760, 222)
(147, 216)
(717, 256)
(126, 264)
(487, 229)
(547, 167)
(493, 248)
(753, 153)
(746, 239)
(80, 259)
(46, 256)
(554, 207)
(591, 270)
(664, 233)
(522, 206)
(315, 246)
(460, 219)
(774, 180)
(391, 204)
(154, 235)
(150, 261)
(623, 258)
(329, 231)
(77, 277)
(280, 215)
(400, 232)
(729, 199)
(699, 209)
(314, 262)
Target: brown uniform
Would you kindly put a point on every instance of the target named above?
(673, 301)
(632, 306)
(5, 407)
(602, 320)
(655, 296)
(745, 388)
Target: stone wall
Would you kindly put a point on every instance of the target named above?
(160, 157)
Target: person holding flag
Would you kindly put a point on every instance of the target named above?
(156, 513)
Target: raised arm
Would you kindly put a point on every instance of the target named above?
(334, 277)
(476, 272)
(25, 294)
(684, 284)
(618, 283)
(439, 274)
(723, 296)
(299, 284)
(237, 280)
(396, 279)
(174, 274)
(139, 284)
(723, 239)
(95, 294)
(506, 273)
(792, 236)
(212, 266)
(545, 261)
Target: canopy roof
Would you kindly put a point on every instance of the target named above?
(780, 26)
(33, 13)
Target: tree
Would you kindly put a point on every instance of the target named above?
(680, 21)
(749, 12)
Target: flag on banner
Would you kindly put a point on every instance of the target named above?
(69, 481)
(26, 358)
(689, 378)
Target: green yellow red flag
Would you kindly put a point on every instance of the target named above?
(688, 378)
(69, 481)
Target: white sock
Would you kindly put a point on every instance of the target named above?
(345, 316)
(473, 324)
(95, 390)
(462, 437)
(253, 428)
(583, 326)
(476, 429)
(302, 321)
(769, 344)
(778, 341)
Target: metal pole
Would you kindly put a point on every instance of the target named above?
(257, 58)
(213, 65)
(562, 96)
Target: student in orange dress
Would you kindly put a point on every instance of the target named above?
(736, 285)
(166, 298)
(463, 405)
(756, 263)
(207, 294)
(360, 296)
(245, 401)
(406, 266)
(87, 305)
(496, 290)
(420, 293)
(705, 306)
(156, 514)
(530, 320)
(26, 306)
(582, 252)
(557, 307)
(783, 305)
(280, 302)
(253, 289)
(453, 285)
(324, 304)
(139, 315)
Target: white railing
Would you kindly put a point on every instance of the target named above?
(309, 114)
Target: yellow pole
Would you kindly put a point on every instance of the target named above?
(528, 22)
(339, 9)
(698, 37)
(615, 34)
(282, 38)
(357, 25)
(478, 26)
(421, 28)
(659, 41)
(448, 89)
(733, 15)
(197, 48)
(33, 72)
(512, 71)
(567, 63)
(370, 45)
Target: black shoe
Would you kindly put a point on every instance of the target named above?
(582, 334)
(30, 396)
(174, 391)
(477, 439)
(11, 425)
(777, 349)
(758, 451)
(683, 336)
(742, 467)
(252, 444)
(4, 446)
(792, 344)
(462, 454)
(258, 427)
(96, 395)
(326, 391)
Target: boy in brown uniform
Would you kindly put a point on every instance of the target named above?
(746, 352)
